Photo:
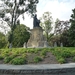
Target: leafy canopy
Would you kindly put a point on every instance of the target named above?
(20, 36)
(72, 28)
(46, 23)
(15, 8)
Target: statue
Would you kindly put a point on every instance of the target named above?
(36, 21)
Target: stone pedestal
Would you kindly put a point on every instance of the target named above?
(37, 39)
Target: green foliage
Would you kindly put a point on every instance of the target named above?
(57, 27)
(46, 22)
(61, 34)
(20, 36)
(37, 59)
(65, 38)
(72, 29)
(3, 41)
(18, 61)
(62, 52)
(8, 59)
(1, 57)
(16, 9)
(43, 53)
(20, 56)
(10, 37)
(61, 60)
(30, 8)
(72, 53)
(66, 54)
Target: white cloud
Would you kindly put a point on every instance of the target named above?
(61, 9)
(28, 21)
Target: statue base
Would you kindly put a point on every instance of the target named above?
(37, 39)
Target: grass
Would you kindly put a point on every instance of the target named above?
(19, 56)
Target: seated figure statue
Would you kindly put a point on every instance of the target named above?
(36, 21)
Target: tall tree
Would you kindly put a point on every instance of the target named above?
(20, 36)
(61, 29)
(46, 23)
(72, 29)
(15, 8)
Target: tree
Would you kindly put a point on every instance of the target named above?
(5, 28)
(60, 26)
(46, 23)
(57, 27)
(61, 29)
(65, 38)
(20, 36)
(72, 29)
(3, 41)
(12, 9)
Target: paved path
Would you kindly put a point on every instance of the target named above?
(40, 66)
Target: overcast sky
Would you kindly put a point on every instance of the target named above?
(61, 9)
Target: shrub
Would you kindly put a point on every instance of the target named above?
(8, 59)
(66, 54)
(61, 60)
(24, 55)
(37, 59)
(18, 61)
(1, 57)
(72, 53)
(43, 53)
(5, 53)
(3, 40)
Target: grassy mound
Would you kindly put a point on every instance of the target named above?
(19, 56)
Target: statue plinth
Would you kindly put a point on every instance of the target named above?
(36, 38)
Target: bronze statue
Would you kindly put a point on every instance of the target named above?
(36, 21)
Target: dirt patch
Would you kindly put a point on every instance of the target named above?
(1, 62)
(49, 59)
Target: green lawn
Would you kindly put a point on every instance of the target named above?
(18, 56)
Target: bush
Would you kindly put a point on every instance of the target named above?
(43, 53)
(8, 59)
(37, 59)
(1, 57)
(66, 54)
(21, 32)
(18, 61)
(72, 53)
(61, 60)
(3, 40)
(5, 53)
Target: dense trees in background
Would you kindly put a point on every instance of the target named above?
(72, 29)
(61, 30)
(46, 24)
(11, 10)
(20, 35)
(61, 34)
(64, 31)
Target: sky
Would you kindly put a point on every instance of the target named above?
(61, 9)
